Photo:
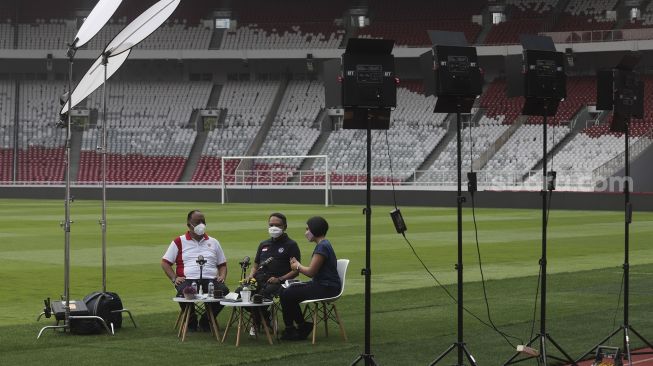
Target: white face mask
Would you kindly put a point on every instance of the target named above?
(275, 232)
(309, 235)
(200, 229)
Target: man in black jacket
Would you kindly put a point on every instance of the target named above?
(272, 262)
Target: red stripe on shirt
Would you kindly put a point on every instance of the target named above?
(179, 261)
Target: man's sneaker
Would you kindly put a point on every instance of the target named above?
(252, 331)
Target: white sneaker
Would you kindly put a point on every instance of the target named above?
(252, 331)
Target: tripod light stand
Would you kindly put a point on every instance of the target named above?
(96, 19)
(111, 59)
(544, 88)
(451, 72)
(368, 92)
(621, 89)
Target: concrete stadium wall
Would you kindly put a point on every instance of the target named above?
(487, 199)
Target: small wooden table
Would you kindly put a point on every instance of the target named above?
(184, 315)
(244, 318)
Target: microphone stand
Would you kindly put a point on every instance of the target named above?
(201, 263)
(243, 267)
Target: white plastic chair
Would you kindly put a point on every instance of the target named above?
(323, 310)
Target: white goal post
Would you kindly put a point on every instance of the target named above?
(262, 178)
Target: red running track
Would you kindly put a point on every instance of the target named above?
(638, 360)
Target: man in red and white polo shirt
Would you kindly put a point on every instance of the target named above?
(183, 253)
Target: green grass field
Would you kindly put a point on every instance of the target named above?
(412, 320)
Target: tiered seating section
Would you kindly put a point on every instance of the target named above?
(524, 148)
(53, 34)
(146, 141)
(524, 17)
(174, 34)
(136, 154)
(586, 152)
(7, 112)
(388, 19)
(294, 130)
(522, 151)
(266, 24)
(414, 132)
(7, 103)
(6, 35)
(151, 104)
(7, 98)
(262, 36)
(586, 15)
(482, 137)
(247, 104)
(41, 144)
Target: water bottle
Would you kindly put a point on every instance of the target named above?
(194, 286)
(211, 288)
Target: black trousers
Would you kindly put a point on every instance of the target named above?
(214, 308)
(292, 296)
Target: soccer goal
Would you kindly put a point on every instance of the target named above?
(298, 171)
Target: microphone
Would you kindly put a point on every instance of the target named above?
(200, 260)
(245, 262)
(266, 262)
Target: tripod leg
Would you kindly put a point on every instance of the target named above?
(543, 357)
(517, 354)
(367, 360)
(641, 338)
(444, 354)
(557, 346)
(627, 346)
(469, 356)
(614, 332)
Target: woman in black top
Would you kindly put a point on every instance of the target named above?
(325, 282)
